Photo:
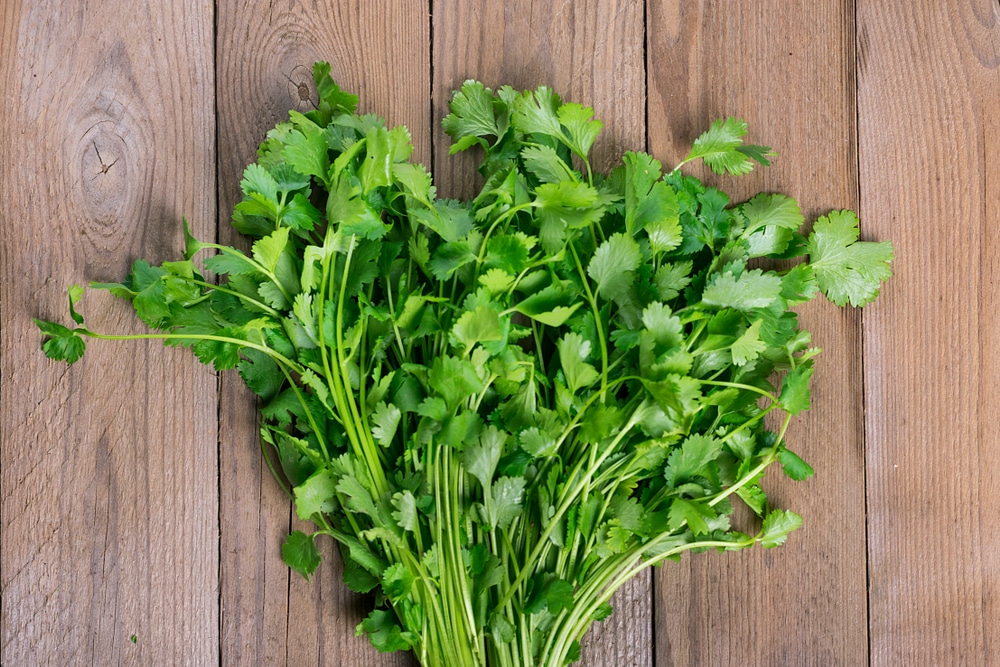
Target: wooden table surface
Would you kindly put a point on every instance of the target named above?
(139, 526)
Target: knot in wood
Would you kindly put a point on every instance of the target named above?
(103, 172)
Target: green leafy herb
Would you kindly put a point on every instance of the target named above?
(503, 409)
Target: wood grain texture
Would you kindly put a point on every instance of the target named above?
(380, 52)
(588, 52)
(109, 505)
(929, 179)
(787, 69)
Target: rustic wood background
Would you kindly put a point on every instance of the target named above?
(139, 527)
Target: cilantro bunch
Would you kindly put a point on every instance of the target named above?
(503, 409)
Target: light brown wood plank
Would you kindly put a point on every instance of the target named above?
(929, 91)
(588, 52)
(787, 69)
(109, 506)
(379, 51)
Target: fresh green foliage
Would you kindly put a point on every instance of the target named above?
(503, 409)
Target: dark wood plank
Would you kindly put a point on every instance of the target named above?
(380, 51)
(109, 506)
(588, 52)
(930, 181)
(787, 69)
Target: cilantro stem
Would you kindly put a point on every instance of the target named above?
(568, 499)
(277, 356)
(768, 459)
(744, 387)
(367, 446)
(694, 336)
(252, 263)
(309, 415)
(750, 422)
(334, 377)
(597, 320)
(243, 297)
(579, 618)
(392, 318)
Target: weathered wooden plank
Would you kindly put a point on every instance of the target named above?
(787, 69)
(928, 95)
(109, 510)
(588, 52)
(380, 51)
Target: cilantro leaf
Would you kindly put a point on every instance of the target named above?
(472, 116)
(455, 380)
(448, 219)
(751, 290)
(508, 493)
(650, 203)
(795, 389)
(563, 206)
(299, 552)
(397, 582)
(799, 284)
(449, 257)
(385, 421)
(357, 578)
(691, 458)
(260, 373)
(257, 179)
(671, 279)
(537, 443)
(481, 459)
(749, 345)
(551, 306)
(581, 128)
(63, 344)
(348, 209)
(544, 162)
(613, 265)
(847, 270)
(553, 595)
(719, 147)
(691, 513)
(509, 252)
(476, 326)
(405, 513)
(316, 494)
(772, 220)
(305, 148)
(573, 352)
(777, 525)
(383, 632)
(793, 465)
(771, 210)
(331, 97)
(356, 496)
(536, 112)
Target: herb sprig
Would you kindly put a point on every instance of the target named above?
(504, 409)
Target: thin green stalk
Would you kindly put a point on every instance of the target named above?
(568, 500)
(602, 342)
(243, 297)
(370, 453)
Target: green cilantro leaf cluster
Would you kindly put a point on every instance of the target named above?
(504, 409)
